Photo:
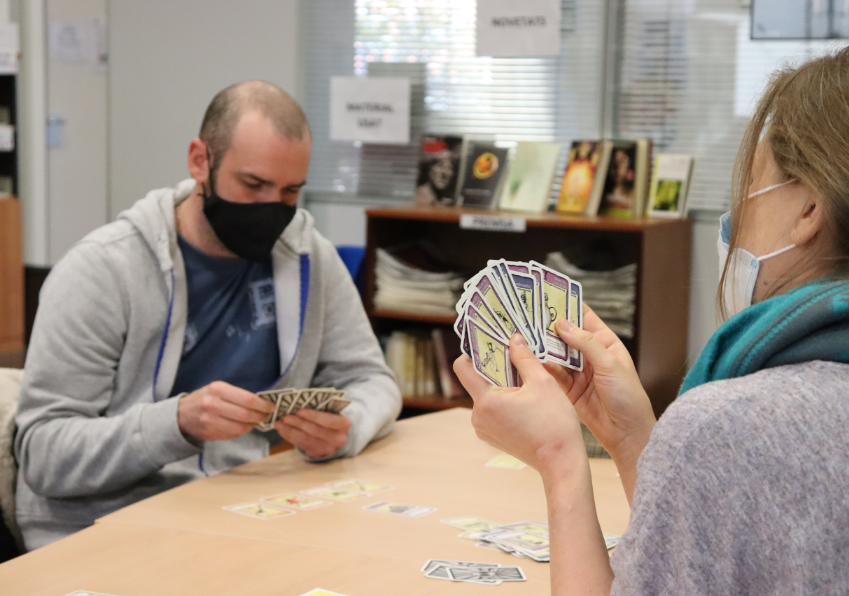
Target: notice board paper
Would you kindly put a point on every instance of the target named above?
(510, 29)
(370, 109)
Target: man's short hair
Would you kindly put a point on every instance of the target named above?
(226, 108)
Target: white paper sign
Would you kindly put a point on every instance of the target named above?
(492, 223)
(510, 29)
(9, 46)
(370, 109)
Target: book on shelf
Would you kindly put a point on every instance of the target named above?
(670, 185)
(527, 186)
(483, 173)
(440, 159)
(446, 349)
(414, 358)
(626, 168)
(581, 178)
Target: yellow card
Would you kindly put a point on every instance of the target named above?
(320, 592)
(471, 524)
(259, 510)
(505, 461)
(336, 494)
(360, 485)
(299, 502)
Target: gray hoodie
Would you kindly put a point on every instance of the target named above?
(97, 425)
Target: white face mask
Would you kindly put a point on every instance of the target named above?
(745, 266)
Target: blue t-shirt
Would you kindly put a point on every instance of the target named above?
(231, 332)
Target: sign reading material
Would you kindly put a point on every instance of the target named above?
(370, 109)
(510, 29)
(492, 223)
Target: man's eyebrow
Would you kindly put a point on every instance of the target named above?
(270, 183)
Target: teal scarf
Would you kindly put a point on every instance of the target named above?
(808, 323)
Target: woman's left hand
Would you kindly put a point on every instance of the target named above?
(535, 423)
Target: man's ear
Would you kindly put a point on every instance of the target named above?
(198, 161)
(810, 222)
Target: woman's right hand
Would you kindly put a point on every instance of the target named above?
(607, 394)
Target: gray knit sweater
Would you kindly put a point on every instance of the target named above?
(744, 489)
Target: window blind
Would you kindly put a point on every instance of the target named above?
(689, 78)
(454, 92)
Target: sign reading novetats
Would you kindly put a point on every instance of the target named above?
(370, 109)
(510, 29)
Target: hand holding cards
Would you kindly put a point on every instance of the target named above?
(291, 401)
(510, 297)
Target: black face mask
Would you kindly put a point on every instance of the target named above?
(247, 229)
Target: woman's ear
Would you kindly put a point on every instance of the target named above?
(810, 221)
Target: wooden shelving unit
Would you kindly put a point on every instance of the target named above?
(661, 249)
(11, 281)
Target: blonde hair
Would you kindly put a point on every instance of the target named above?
(804, 117)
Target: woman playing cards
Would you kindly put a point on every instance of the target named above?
(741, 487)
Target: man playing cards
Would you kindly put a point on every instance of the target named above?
(155, 332)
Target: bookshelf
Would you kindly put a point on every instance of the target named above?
(11, 278)
(661, 248)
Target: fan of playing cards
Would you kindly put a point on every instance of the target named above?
(510, 297)
(291, 401)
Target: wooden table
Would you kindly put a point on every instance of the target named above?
(183, 542)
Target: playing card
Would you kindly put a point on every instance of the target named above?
(611, 540)
(298, 402)
(399, 509)
(490, 356)
(497, 302)
(299, 502)
(284, 401)
(510, 574)
(520, 317)
(474, 575)
(527, 291)
(361, 485)
(337, 404)
(576, 317)
(320, 592)
(478, 302)
(531, 527)
(524, 541)
(343, 495)
(556, 300)
(436, 563)
(505, 461)
(262, 511)
(473, 314)
(471, 524)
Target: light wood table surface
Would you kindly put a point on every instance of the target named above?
(184, 542)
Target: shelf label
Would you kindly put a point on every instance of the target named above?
(492, 223)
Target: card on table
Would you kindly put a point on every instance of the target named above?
(471, 524)
(299, 502)
(475, 575)
(531, 527)
(343, 495)
(360, 485)
(399, 509)
(505, 461)
(320, 592)
(262, 511)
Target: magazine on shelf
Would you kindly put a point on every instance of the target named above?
(626, 173)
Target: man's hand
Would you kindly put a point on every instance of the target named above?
(220, 411)
(317, 434)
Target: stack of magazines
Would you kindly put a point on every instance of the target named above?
(609, 293)
(411, 278)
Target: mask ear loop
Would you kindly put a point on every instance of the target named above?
(769, 188)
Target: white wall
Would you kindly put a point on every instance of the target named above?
(167, 61)
(76, 170)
